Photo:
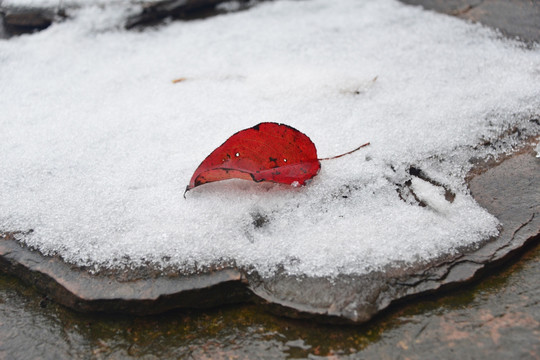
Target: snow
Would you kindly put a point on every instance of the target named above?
(98, 143)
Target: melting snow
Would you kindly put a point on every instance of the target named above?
(97, 143)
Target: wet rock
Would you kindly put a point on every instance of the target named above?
(518, 18)
(82, 291)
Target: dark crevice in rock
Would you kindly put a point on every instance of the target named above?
(405, 191)
(16, 20)
(180, 10)
(523, 225)
(449, 195)
(466, 9)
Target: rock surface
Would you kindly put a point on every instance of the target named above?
(82, 291)
(508, 190)
(495, 318)
(19, 20)
(517, 18)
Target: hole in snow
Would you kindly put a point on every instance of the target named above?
(423, 191)
(449, 195)
(259, 220)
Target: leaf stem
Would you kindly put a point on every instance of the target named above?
(347, 153)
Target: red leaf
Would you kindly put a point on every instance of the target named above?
(266, 152)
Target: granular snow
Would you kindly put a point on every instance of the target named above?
(98, 143)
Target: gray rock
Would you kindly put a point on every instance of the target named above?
(19, 20)
(508, 190)
(80, 290)
(519, 18)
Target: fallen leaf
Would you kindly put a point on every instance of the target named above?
(175, 81)
(266, 152)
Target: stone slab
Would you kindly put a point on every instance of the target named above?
(509, 190)
(83, 291)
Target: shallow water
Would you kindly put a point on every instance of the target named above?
(497, 317)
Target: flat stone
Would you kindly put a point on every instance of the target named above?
(82, 291)
(509, 190)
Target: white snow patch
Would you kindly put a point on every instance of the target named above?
(97, 143)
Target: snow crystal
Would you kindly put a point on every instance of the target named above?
(98, 143)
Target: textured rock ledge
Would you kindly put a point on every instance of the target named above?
(509, 190)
